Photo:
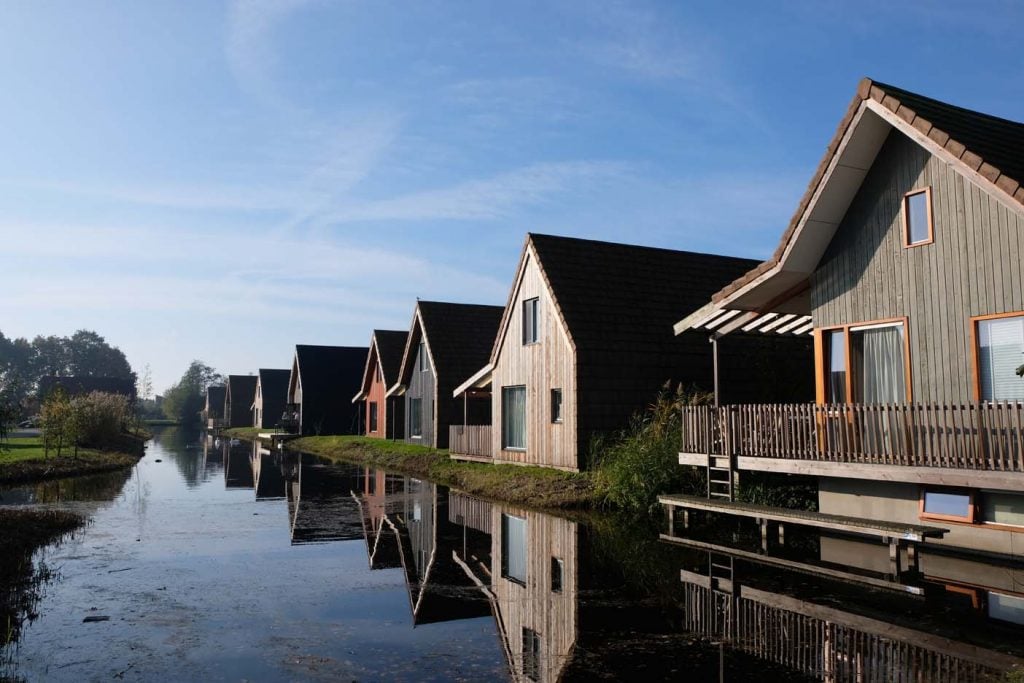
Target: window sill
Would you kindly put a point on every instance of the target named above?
(513, 450)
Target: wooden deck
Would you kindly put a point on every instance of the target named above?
(869, 527)
(976, 437)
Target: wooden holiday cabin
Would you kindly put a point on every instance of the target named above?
(903, 263)
(383, 418)
(446, 343)
(271, 397)
(213, 408)
(239, 393)
(586, 341)
(320, 388)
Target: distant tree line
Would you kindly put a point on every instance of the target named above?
(184, 400)
(23, 363)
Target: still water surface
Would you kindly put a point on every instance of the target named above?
(219, 562)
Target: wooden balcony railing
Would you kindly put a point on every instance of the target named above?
(976, 436)
(472, 440)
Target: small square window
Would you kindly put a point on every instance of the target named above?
(556, 575)
(556, 405)
(531, 321)
(917, 218)
(947, 504)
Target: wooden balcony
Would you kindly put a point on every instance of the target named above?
(470, 442)
(978, 437)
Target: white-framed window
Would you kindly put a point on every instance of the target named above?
(531, 321)
(415, 417)
(373, 416)
(917, 217)
(513, 418)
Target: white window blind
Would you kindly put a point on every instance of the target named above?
(1000, 353)
(513, 417)
(513, 548)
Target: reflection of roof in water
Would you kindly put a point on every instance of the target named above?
(439, 589)
(237, 469)
(270, 483)
(320, 504)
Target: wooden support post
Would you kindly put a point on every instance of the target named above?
(764, 533)
(894, 557)
(686, 518)
(672, 520)
(714, 358)
(782, 534)
(912, 559)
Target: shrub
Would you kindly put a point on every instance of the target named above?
(637, 464)
(100, 419)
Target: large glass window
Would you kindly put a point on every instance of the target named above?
(531, 320)
(513, 418)
(876, 357)
(1000, 353)
(513, 548)
(917, 218)
(415, 417)
(373, 416)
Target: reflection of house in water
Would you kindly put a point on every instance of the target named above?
(213, 452)
(320, 503)
(868, 626)
(439, 589)
(268, 479)
(237, 470)
(381, 497)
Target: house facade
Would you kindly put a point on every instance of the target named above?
(903, 264)
(321, 384)
(270, 399)
(585, 342)
(446, 343)
(213, 409)
(239, 392)
(382, 417)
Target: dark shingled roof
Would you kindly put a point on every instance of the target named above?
(992, 146)
(215, 395)
(390, 347)
(460, 337)
(274, 385)
(330, 378)
(242, 390)
(622, 298)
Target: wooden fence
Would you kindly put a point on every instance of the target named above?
(976, 436)
(472, 440)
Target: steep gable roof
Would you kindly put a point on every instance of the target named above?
(622, 297)
(215, 394)
(324, 369)
(274, 383)
(459, 338)
(987, 149)
(242, 387)
(386, 347)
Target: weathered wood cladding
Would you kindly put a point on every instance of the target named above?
(390, 411)
(551, 615)
(540, 367)
(422, 386)
(974, 266)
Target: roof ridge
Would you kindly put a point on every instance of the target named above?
(639, 247)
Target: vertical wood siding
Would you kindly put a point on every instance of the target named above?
(421, 386)
(541, 367)
(551, 615)
(974, 266)
(375, 394)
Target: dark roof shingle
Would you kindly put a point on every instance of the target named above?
(460, 337)
(390, 347)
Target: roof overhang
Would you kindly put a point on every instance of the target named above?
(479, 380)
(359, 397)
(396, 390)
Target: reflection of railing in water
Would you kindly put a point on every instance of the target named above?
(831, 644)
(975, 436)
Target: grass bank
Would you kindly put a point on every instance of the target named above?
(247, 433)
(24, 460)
(522, 485)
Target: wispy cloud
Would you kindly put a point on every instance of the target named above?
(488, 199)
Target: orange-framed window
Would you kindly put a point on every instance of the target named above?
(997, 345)
(865, 362)
(954, 505)
(918, 229)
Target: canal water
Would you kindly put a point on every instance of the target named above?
(211, 561)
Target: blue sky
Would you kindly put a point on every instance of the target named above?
(222, 181)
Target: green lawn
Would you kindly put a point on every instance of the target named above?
(534, 486)
(248, 433)
(24, 460)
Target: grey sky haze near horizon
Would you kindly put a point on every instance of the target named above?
(223, 181)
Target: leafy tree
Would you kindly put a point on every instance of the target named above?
(184, 400)
(57, 421)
